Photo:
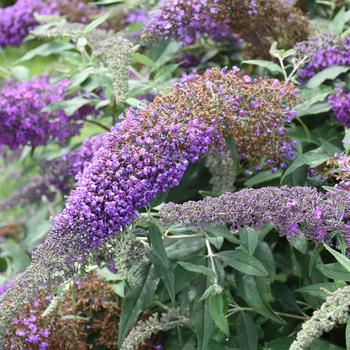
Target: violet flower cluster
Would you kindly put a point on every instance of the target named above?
(139, 16)
(340, 103)
(33, 336)
(150, 150)
(18, 20)
(292, 211)
(145, 155)
(322, 51)
(189, 20)
(23, 119)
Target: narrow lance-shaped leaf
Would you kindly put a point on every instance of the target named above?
(136, 301)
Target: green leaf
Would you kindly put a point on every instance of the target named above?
(53, 47)
(249, 239)
(161, 260)
(340, 257)
(317, 108)
(347, 335)
(320, 344)
(256, 293)
(183, 248)
(166, 274)
(119, 289)
(247, 332)
(311, 98)
(262, 177)
(197, 269)
(220, 231)
(96, 23)
(328, 73)
(280, 343)
(314, 257)
(143, 59)
(216, 310)
(334, 271)
(312, 159)
(156, 241)
(16, 253)
(134, 102)
(133, 27)
(165, 73)
(319, 290)
(200, 317)
(264, 254)
(216, 241)
(77, 79)
(299, 243)
(70, 106)
(243, 262)
(270, 66)
(337, 24)
(168, 53)
(136, 301)
(208, 292)
(20, 72)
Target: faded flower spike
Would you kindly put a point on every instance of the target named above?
(221, 20)
(23, 119)
(334, 311)
(223, 170)
(292, 211)
(148, 153)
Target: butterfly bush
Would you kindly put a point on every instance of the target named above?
(147, 153)
(222, 20)
(18, 20)
(23, 119)
(292, 211)
(322, 51)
